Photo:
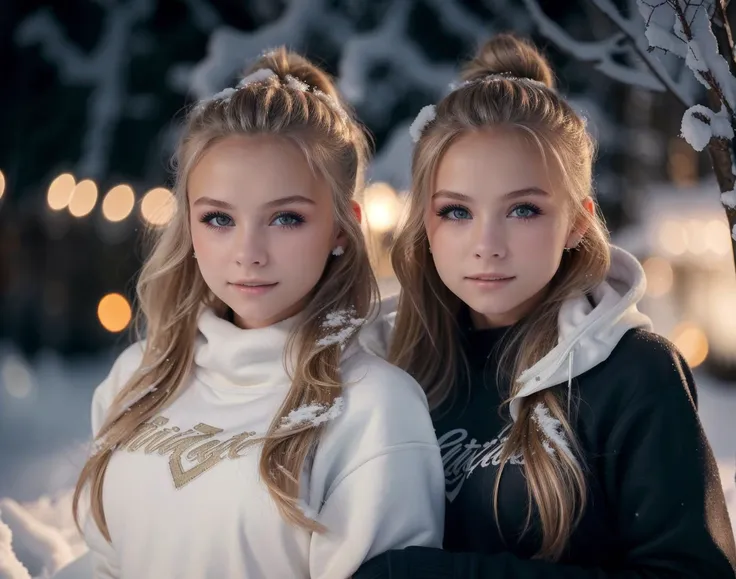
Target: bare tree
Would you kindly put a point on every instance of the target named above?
(665, 31)
(105, 69)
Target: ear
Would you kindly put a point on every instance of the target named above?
(340, 238)
(358, 210)
(581, 227)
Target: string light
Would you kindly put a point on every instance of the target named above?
(114, 312)
(83, 198)
(659, 276)
(118, 203)
(692, 342)
(158, 206)
(60, 191)
(382, 207)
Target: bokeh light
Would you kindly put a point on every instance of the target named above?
(158, 206)
(697, 240)
(60, 191)
(673, 237)
(717, 237)
(692, 342)
(83, 198)
(114, 312)
(659, 276)
(17, 377)
(382, 207)
(118, 203)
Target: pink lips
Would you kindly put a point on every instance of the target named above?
(490, 281)
(253, 288)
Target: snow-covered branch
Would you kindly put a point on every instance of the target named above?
(388, 43)
(203, 15)
(229, 50)
(684, 27)
(680, 28)
(459, 21)
(105, 69)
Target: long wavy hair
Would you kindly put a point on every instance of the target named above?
(523, 99)
(299, 103)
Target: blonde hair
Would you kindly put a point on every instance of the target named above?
(519, 97)
(300, 103)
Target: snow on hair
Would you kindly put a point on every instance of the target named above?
(428, 113)
(501, 76)
(226, 94)
(425, 116)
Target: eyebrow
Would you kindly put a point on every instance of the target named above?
(509, 195)
(274, 203)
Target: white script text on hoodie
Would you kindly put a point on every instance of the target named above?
(590, 327)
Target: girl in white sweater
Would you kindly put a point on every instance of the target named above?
(248, 436)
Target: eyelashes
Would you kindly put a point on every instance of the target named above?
(207, 219)
(530, 209)
(445, 212)
(524, 211)
(292, 219)
(283, 219)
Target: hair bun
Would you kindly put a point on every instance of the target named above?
(506, 53)
(287, 63)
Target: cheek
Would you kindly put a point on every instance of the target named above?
(302, 250)
(439, 233)
(544, 235)
(449, 246)
(429, 227)
(198, 232)
(210, 247)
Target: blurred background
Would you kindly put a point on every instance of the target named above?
(93, 93)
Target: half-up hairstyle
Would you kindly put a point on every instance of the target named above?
(285, 95)
(509, 86)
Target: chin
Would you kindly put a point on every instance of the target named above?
(496, 307)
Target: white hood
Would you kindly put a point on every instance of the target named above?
(588, 332)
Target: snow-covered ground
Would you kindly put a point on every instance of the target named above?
(44, 426)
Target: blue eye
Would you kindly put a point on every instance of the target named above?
(289, 220)
(454, 213)
(217, 220)
(525, 211)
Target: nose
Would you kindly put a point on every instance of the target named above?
(251, 247)
(490, 240)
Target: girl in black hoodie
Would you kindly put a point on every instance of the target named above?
(569, 432)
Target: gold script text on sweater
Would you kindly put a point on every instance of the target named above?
(192, 452)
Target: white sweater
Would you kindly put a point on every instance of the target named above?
(193, 506)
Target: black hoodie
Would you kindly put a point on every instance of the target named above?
(655, 508)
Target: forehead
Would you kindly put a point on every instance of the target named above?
(493, 162)
(253, 167)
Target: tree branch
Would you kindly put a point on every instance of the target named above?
(602, 51)
(642, 50)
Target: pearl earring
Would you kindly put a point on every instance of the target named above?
(338, 251)
(194, 254)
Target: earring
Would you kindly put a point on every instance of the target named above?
(194, 254)
(338, 251)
